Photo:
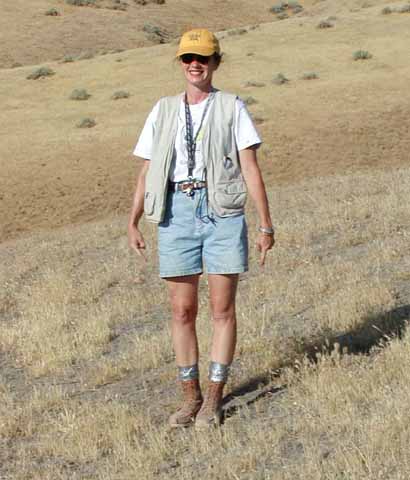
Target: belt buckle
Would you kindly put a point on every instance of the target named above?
(188, 188)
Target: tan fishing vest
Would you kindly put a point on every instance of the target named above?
(226, 186)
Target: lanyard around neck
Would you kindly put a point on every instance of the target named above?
(191, 140)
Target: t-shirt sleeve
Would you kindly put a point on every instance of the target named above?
(245, 131)
(143, 148)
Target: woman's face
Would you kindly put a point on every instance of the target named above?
(198, 70)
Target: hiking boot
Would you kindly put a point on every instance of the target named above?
(192, 402)
(210, 413)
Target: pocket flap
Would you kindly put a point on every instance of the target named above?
(232, 188)
(149, 202)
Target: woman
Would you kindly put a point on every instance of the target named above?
(199, 151)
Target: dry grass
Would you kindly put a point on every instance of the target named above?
(89, 372)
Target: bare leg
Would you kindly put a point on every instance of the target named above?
(222, 290)
(183, 293)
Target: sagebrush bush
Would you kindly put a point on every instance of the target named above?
(120, 94)
(279, 79)
(294, 4)
(250, 100)
(79, 94)
(154, 33)
(86, 123)
(52, 12)
(362, 55)
(310, 76)
(404, 9)
(387, 11)
(118, 5)
(276, 9)
(81, 3)
(237, 31)
(282, 16)
(40, 73)
(67, 59)
(325, 24)
(252, 83)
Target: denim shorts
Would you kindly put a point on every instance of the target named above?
(191, 237)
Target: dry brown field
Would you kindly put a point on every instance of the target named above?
(320, 381)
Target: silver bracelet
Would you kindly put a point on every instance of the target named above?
(267, 231)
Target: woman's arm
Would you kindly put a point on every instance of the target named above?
(135, 238)
(256, 187)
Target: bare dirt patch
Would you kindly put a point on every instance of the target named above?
(37, 37)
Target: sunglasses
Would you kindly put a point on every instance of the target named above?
(190, 57)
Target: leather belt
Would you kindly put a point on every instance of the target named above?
(186, 186)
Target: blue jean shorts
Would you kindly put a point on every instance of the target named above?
(191, 237)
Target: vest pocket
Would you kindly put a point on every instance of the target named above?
(149, 202)
(231, 195)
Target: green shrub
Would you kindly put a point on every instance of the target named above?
(154, 33)
(120, 94)
(387, 11)
(40, 73)
(279, 79)
(292, 4)
(251, 83)
(282, 16)
(325, 24)
(297, 9)
(86, 123)
(277, 8)
(237, 31)
(362, 55)
(118, 5)
(310, 76)
(67, 59)
(250, 100)
(79, 94)
(52, 12)
(149, 28)
(81, 3)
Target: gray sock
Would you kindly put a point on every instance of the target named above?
(188, 373)
(218, 372)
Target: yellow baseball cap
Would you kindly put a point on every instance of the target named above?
(199, 41)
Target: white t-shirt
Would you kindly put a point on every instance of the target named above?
(245, 136)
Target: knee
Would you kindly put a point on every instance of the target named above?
(224, 317)
(184, 314)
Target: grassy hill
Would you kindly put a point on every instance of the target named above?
(352, 117)
(320, 383)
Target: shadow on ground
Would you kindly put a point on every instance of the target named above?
(376, 330)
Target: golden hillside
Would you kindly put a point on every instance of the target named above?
(352, 117)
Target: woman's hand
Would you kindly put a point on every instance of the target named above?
(264, 243)
(136, 240)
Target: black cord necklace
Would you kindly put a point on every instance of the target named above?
(191, 140)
